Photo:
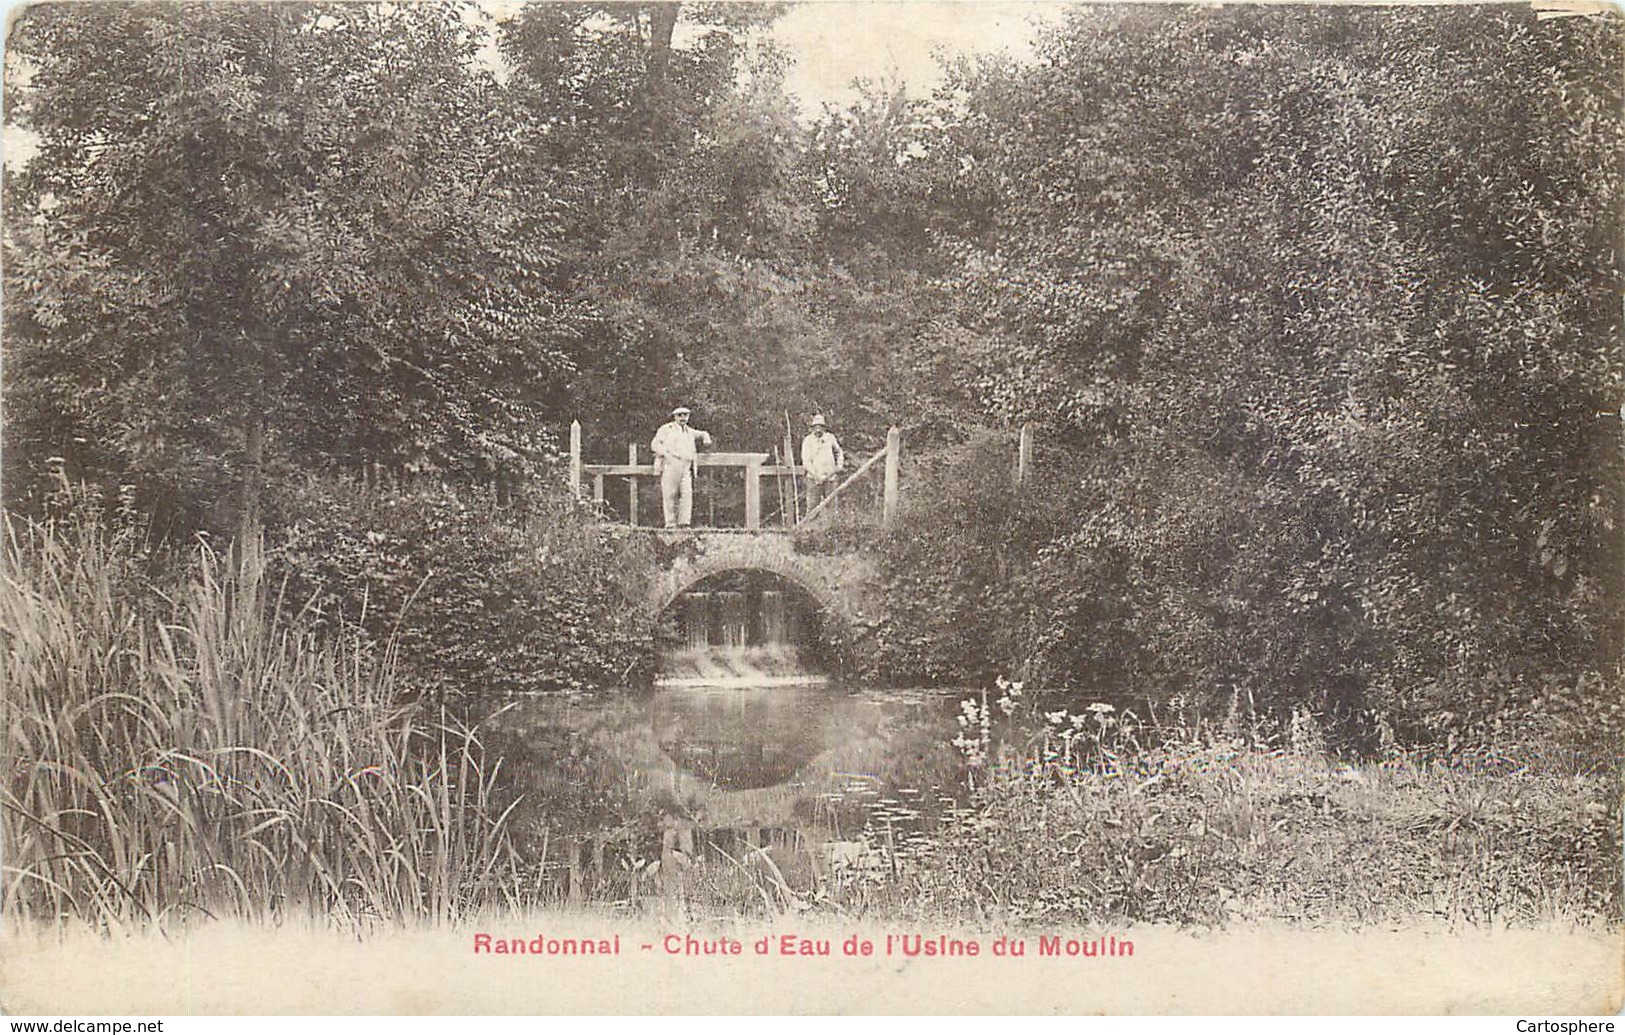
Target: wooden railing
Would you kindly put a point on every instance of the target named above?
(755, 467)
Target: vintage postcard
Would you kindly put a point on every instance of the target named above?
(812, 508)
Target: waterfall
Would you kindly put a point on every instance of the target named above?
(696, 620)
(771, 610)
(734, 619)
(748, 631)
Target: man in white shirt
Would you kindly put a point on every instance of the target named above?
(822, 459)
(676, 447)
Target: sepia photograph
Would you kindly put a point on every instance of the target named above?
(732, 508)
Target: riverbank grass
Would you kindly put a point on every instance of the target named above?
(1216, 832)
(184, 750)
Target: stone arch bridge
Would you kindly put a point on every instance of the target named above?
(764, 539)
(840, 584)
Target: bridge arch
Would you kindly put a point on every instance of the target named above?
(831, 582)
(678, 583)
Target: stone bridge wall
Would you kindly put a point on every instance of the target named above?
(839, 584)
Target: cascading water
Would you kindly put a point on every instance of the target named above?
(741, 629)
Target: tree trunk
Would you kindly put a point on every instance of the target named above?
(662, 22)
(657, 95)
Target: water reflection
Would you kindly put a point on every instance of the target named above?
(741, 739)
(810, 766)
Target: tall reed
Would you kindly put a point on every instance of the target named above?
(188, 752)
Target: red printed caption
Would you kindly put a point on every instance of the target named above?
(940, 946)
(930, 946)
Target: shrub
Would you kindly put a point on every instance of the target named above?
(956, 567)
(478, 597)
(1168, 568)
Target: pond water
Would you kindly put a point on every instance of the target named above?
(815, 774)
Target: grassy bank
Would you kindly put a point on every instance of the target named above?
(1217, 836)
(1090, 819)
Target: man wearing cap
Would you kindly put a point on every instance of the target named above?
(822, 459)
(676, 446)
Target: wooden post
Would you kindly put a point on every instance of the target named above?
(575, 457)
(753, 495)
(894, 457)
(574, 891)
(668, 845)
(778, 483)
(598, 488)
(632, 485)
(794, 512)
(1024, 454)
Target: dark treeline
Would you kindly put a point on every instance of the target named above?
(1315, 309)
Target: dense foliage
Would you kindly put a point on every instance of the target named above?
(272, 236)
(1322, 306)
(961, 570)
(471, 595)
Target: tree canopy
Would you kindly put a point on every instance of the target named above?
(277, 234)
